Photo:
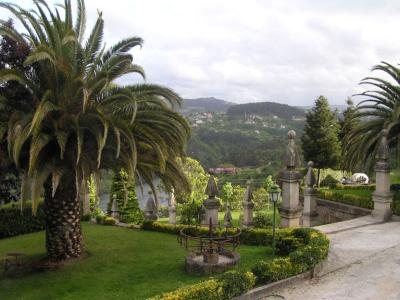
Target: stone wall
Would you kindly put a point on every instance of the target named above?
(332, 212)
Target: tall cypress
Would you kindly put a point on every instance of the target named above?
(128, 208)
(320, 141)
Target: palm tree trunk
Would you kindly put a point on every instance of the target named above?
(63, 228)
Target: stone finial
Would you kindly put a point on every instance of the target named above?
(211, 189)
(248, 194)
(310, 180)
(383, 149)
(292, 156)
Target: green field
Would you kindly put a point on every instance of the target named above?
(122, 264)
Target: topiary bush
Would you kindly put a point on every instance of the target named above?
(262, 220)
(128, 204)
(14, 222)
(329, 180)
(109, 221)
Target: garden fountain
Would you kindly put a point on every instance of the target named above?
(211, 250)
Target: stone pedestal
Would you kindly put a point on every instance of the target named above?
(310, 207)
(290, 210)
(248, 214)
(382, 196)
(172, 214)
(211, 205)
(310, 198)
(248, 206)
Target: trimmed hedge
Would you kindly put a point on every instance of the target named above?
(360, 187)
(305, 247)
(13, 222)
(226, 286)
(355, 200)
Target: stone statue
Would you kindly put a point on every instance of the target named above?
(292, 156)
(114, 207)
(248, 206)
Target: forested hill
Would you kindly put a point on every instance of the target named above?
(205, 104)
(282, 111)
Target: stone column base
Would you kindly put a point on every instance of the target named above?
(290, 217)
(172, 214)
(382, 203)
(309, 220)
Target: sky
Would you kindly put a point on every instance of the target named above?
(250, 51)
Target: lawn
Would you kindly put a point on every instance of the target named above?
(122, 264)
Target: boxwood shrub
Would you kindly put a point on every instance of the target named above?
(224, 287)
(14, 222)
(301, 250)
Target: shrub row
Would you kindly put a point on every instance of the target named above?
(14, 222)
(360, 187)
(355, 200)
(300, 260)
(224, 287)
(304, 248)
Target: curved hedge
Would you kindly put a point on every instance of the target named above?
(301, 250)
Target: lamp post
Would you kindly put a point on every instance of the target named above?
(274, 194)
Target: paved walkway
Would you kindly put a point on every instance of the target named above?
(363, 263)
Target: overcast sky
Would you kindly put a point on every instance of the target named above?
(245, 51)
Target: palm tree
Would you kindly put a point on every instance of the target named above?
(381, 110)
(80, 121)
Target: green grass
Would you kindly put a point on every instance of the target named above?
(122, 264)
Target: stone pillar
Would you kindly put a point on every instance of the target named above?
(382, 196)
(172, 209)
(114, 208)
(211, 205)
(290, 210)
(248, 206)
(150, 209)
(310, 198)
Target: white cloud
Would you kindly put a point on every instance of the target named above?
(285, 51)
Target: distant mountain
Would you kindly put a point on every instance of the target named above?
(340, 108)
(205, 104)
(282, 111)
